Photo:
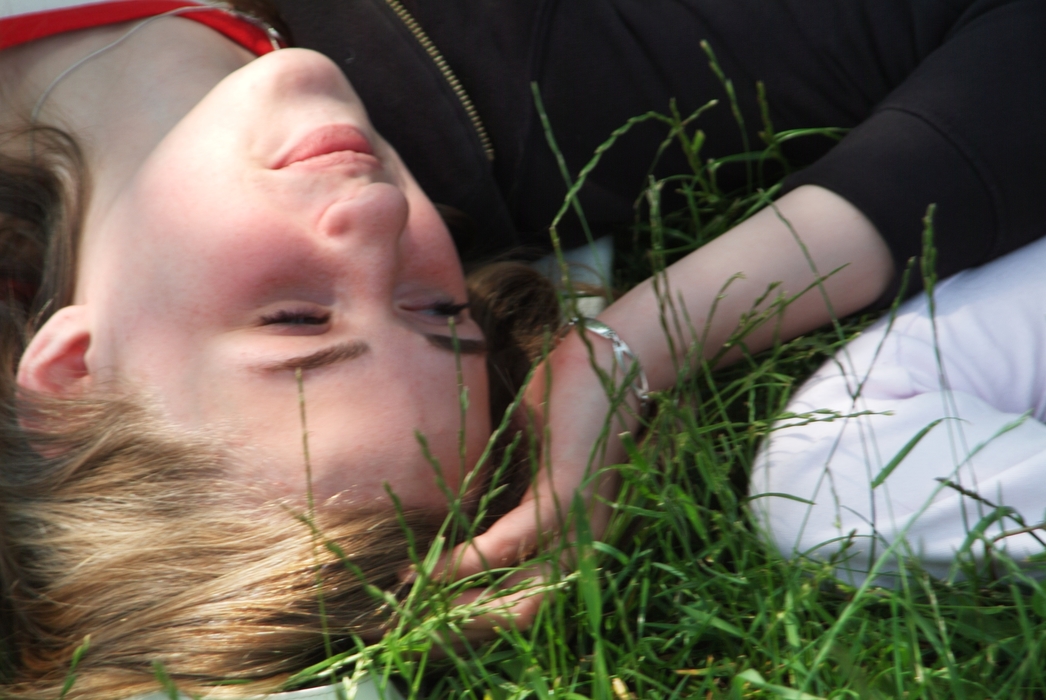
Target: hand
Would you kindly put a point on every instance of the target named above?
(765, 248)
(567, 404)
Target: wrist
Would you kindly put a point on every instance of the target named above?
(624, 362)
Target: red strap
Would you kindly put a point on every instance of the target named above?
(22, 29)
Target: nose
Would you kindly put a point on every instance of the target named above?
(368, 228)
(377, 215)
(292, 72)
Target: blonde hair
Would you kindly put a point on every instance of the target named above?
(118, 526)
(133, 536)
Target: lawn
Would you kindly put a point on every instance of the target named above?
(685, 599)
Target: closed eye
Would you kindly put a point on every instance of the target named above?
(289, 317)
(447, 309)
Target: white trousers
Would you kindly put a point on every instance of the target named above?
(971, 376)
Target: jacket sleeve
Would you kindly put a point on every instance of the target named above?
(965, 132)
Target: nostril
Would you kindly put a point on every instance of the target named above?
(377, 213)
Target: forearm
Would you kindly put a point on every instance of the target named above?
(763, 250)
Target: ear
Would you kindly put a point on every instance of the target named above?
(56, 360)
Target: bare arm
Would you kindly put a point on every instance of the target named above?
(765, 251)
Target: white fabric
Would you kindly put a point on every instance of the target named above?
(990, 327)
(11, 8)
(364, 689)
(588, 264)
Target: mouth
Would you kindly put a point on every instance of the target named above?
(336, 144)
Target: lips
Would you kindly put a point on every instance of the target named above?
(332, 145)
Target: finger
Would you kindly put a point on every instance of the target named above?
(494, 608)
(512, 611)
(517, 535)
(512, 538)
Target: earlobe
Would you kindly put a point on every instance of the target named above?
(55, 362)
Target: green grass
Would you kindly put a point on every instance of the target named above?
(685, 599)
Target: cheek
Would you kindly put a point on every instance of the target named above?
(476, 379)
(358, 448)
(203, 268)
(477, 424)
(436, 399)
(428, 250)
(437, 412)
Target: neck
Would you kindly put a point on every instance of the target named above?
(121, 103)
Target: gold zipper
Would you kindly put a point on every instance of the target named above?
(448, 74)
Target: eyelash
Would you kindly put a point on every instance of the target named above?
(448, 309)
(307, 318)
(295, 318)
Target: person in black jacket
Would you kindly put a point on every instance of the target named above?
(204, 284)
(943, 100)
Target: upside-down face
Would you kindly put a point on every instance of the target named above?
(273, 229)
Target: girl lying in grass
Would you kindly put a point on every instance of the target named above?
(232, 251)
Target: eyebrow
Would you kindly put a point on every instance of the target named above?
(465, 345)
(321, 358)
(342, 352)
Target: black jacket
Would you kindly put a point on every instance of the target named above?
(946, 98)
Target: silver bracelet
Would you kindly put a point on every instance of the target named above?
(640, 387)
